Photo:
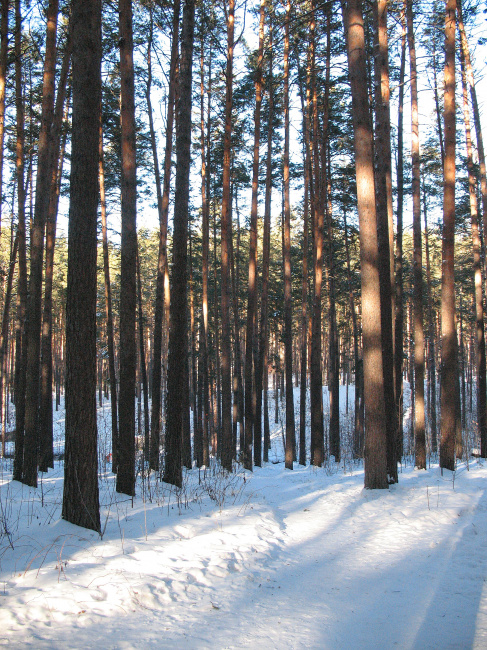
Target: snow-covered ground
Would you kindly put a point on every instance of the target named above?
(269, 559)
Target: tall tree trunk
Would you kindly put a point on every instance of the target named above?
(163, 209)
(143, 365)
(318, 200)
(34, 303)
(250, 388)
(375, 417)
(480, 147)
(477, 262)
(226, 432)
(384, 224)
(288, 307)
(80, 496)
(128, 259)
(431, 337)
(399, 303)
(305, 109)
(205, 249)
(419, 420)
(3, 77)
(358, 436)
(57, 155)
(177, 361)
(261, 378)
(108, 307)
(448, 333)
(20, 356)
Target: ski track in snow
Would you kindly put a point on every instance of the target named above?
(302, 559)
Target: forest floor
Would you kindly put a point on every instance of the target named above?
(271, 559)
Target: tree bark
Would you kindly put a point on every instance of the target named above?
(163, 209)
(448, 332)
(177, 360)
(375, 417)
(34, 302)
(419, 416)
(20, 356)
(477, 263)
(288, 307)
(128, 259)
(250, 388)
(3, 76)
(226, 432)
(80, 496)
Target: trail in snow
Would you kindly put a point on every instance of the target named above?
(302, 559)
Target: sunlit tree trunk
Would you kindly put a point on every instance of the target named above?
(261, 379)
(448, 333)
(399, 303)
(375, 417)
(288, 307)
(419, 421)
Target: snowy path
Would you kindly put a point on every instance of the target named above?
(300, 560)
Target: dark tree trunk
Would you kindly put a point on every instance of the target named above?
(128, 259)
(34, 302)
(226, 226)
(177, 361)
(80, 497)
(163, 208)
(250, 388)
(57, 156)
(20, 356)
(3, 76)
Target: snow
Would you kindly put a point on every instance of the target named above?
(269, 559)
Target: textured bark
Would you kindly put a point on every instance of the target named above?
(288, 306)
(399, 302)
(3, 75)
(177, 360)
(481, 156)
(226, 391)
(205, 246)
(163, 208)
(143, 365)
(108, 308)
(250, 389)
(448, 333)
(375, 417)
(57, 158)
(20, 357)
(34, 302)
(80, 496)
(128, 259)
(419, 417)
(384, 224)
(316, 386)
(261, 378)
(477, 264)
